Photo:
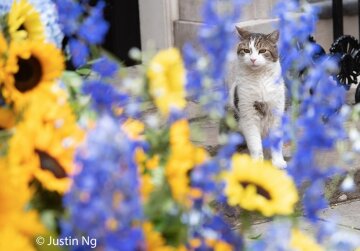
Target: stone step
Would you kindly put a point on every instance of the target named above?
(185, 30)
(190, 10)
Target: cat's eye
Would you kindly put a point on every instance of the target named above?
(246, 50)
(262, 51)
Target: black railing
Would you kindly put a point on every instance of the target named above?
(359, 17)
(337, 15)
(346, 48)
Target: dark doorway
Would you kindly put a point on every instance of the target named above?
(124, 32)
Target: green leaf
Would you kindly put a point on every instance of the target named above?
(256, 237)
(84, 71)
(72, 79)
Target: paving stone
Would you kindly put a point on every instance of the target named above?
(347, 214)
(348, 220)
(193, 110)
(205, 132)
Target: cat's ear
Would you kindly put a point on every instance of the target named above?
(243, 33)
(274, 36)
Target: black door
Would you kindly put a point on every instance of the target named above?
(124, 32)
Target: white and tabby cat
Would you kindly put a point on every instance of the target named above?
(258, 93)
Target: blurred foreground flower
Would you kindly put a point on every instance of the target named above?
(313, 123)
(30, 71)
(47, 11)
(44, 143)
(155, 242)
(24, 22)
(3, 51)
(302, 242)
(166, 75)
(257, 185)
(184, 156)
(207, 71)
(104, 201)
(18, 224)
(84, 26)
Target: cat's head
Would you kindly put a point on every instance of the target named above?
(257, 50)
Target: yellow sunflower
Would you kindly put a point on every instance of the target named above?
(258, 186)
(154, 241)
(31, 69)
(18, 242)
(219, 245)
(7, 118)
(133, 128)
(146, 186)
(145, 162)
(3, 51)
(44, 144)
(302, 242)
(184, 156)
(17, 224)
(145, 166)
(166, 76)
(24, 22)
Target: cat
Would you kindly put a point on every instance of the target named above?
(258, 94)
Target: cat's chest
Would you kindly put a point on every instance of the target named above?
(260, 89)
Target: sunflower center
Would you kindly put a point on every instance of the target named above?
(49, 163)
(22, 27)
(189, 172)
(259, 190)
(29, 74)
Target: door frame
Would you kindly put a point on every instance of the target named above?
(156, 23)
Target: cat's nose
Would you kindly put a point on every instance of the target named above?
(252, 60)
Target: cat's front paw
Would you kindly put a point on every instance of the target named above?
(279, 163)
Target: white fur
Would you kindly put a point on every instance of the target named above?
(259, 81)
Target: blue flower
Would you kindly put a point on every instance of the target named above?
(103, 202)
(205, 177)
(206, 73)
(233, 141)
(313, 123)
(105, 67)
(94, 27)
(84, 25)
(276, 238)
(314, 200)
(69, 15)
(104, 97)
(193, 74)
(79, 52)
